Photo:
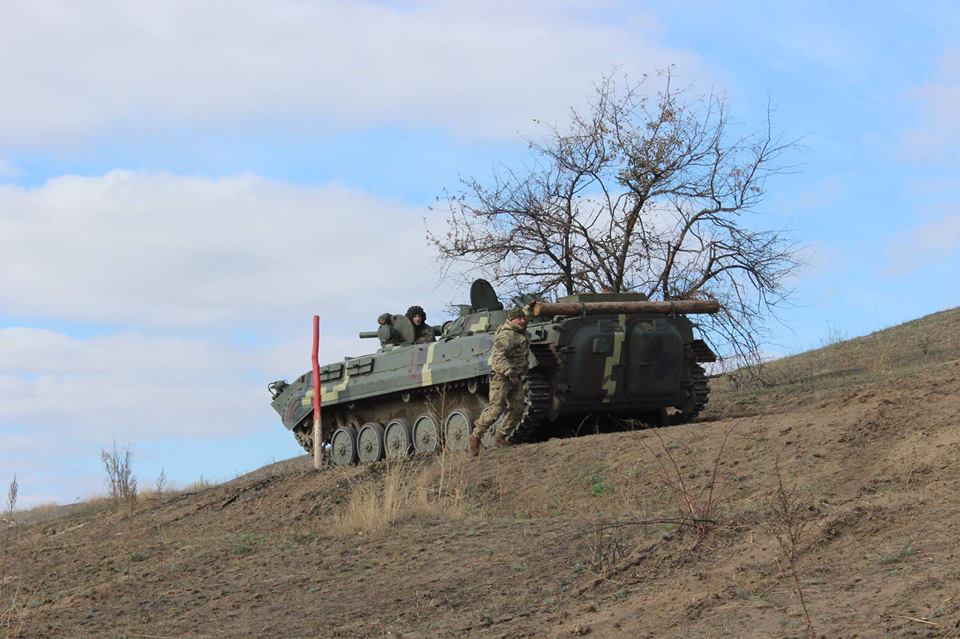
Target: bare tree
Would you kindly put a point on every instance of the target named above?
(640, 192)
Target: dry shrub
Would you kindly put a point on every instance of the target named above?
(405, 491)
(161, 484)
(121, 482)
(788, 525)
(607, 545)
(696, 504)
(11, 600)
(12, 492)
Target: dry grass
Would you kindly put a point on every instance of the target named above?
(555, 513)
(200, 485)
(374, 506)
(930, 339)
(164, 489)
(839, 365)
(52, 511)
(406, 491)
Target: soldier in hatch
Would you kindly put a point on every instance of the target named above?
(423, 333)
(511, 348)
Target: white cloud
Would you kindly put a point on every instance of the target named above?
(928, 243)
(63, 398)
(813, 196)
(479, 69)
(228, 253)
(8, 170)
(215, 280)
(40, 352)
(937, 134)
(140, 386)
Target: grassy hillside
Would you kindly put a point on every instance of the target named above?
(837, 482)
(881, 356)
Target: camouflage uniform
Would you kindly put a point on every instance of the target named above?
(424, 335)
(511, 348)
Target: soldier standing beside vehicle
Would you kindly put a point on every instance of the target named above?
(511, 349)
(423, 333)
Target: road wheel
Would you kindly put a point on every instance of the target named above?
(426, 434)
(398, 439)
(370, 443)
(456, 430)
(343, 446)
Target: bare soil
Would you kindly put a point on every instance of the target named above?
(566, 538)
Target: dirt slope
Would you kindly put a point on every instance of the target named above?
(560, 539)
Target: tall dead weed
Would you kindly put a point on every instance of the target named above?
(406, 491)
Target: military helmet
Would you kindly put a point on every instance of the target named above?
(514, 313)
(416, 310)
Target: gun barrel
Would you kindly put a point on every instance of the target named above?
(369, 334)
(674, 307)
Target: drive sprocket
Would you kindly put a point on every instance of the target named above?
(536, 400)
(698, 396)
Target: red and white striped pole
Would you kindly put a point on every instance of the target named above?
(315, 358)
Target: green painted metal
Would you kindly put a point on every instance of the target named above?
(343, 446)
(398, 439)
(623, 365)
(456, 430)
(370, 445)
(426, 434)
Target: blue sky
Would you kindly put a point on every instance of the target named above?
(182, 185)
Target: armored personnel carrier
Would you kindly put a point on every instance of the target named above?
(592, 357)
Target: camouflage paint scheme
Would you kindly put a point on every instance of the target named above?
(621, 365)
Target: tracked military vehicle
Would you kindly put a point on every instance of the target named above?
(593, 357)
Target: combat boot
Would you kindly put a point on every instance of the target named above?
(501, 441)
(473, 445)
